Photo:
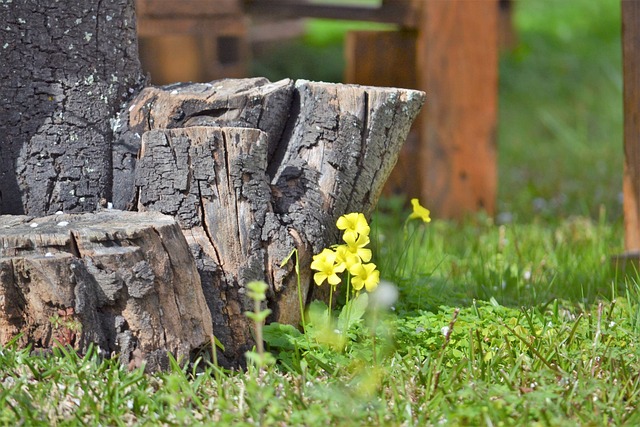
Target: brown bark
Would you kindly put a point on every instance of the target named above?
(121, 280)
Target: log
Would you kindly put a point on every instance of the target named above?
(125, 281)
(246, 197)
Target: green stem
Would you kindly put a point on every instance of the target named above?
(346, 326)
(373, 337)
(302, 320)
(331, 289)
(408, 239)
(258, 325)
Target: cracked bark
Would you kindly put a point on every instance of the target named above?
(129, 279)
(67, 69)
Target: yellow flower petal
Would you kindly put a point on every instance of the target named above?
(354, 222)
(419, 212)
(346, 257)
(327, 268)
(334, 280)
(319, 277)
(365, 275)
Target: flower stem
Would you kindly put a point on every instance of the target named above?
(300, 302)
(346, 304)
(331, 290)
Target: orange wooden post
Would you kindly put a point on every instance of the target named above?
(457, 54)
(631, 69)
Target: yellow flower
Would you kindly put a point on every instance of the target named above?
(356, 245)
(327, 268)
(419, 212)
(365, 275)
(346, 257)
(353, 223)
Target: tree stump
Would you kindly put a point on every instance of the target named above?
(249, 169)
(121, 280)
(246, 196)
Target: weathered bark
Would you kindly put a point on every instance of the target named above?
(66, 69)
(246, 197)
(250, 170)
(250, 103)
(121, 280)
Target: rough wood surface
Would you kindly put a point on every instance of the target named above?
(251, 103)
(246, 197)
(250, 170)
(125, 281)
(66, 70)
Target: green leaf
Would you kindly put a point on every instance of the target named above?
(288, 257)
(218, 343)
(282, 336)
(317, 314)
(353, 311)
(257, 290)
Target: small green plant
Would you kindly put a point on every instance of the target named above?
(329, 341)
(257, 292)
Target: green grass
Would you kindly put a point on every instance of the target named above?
(517, 264)
(546, 331)
(551, 365)
(560, 128)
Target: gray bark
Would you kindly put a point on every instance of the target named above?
(250, 170)
(66, 70)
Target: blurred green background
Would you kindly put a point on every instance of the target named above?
(560, 114)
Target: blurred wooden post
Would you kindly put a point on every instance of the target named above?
(457, 54)
(192, 40)
(388, 58)
(453, 52)
(507, 36)
(631, 69)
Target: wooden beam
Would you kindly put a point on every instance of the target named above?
(507, 36)
(170, 26)
(187, 8)
(401, 12)
(631, 71)
(457, 54)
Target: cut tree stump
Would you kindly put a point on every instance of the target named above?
(253, 169)
(249, 169)
(124, 281)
